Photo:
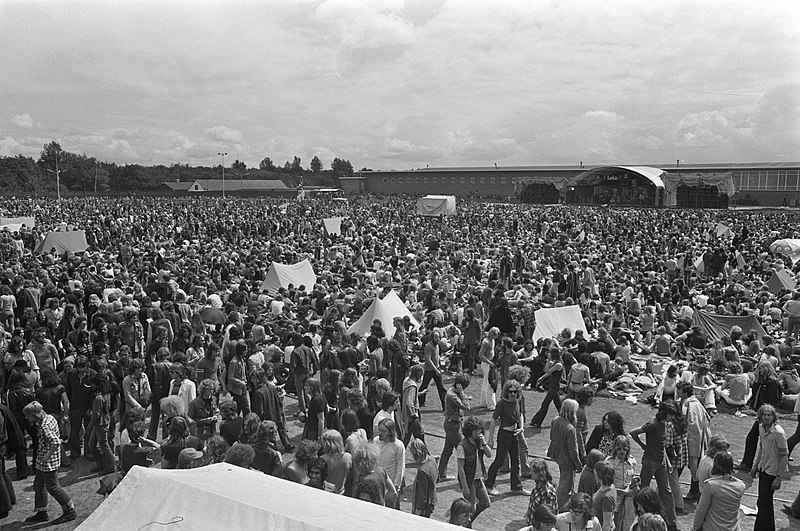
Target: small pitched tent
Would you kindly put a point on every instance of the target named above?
(384, 310)
(436, 205)
(281, 275)
(719, 326)
(333, 226)
(224, 496)
(551, 321)
(73, 241)
(781, 280)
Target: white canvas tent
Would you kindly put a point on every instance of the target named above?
(551, 321)
(224, 496)
(73, 241)
(281, 275)
(436, 205)
(384, 310)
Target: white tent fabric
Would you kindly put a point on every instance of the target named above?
(436, 205)
(73, 241)
(27, 221)
(788, 247)
(384, 310)
(12, 227)
(551, 321)
(281, 275)
(224, 496)
(333, 226)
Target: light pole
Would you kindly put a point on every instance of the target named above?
(58, 180)
(223, 173)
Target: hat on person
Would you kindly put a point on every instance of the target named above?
(188, 455)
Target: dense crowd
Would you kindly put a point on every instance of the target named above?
(159, 340)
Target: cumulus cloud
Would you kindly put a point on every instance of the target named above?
(23, 121)
(603, 116)
(9, 146)
(122, 150)
(223, 133)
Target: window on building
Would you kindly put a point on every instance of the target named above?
(472, 180)
(384, 179)
(391, 180)
(416, 180)
(425, 180)
(452, 180)
(463, 180)
(483, 180)
(399, 180)
(513, 180)
(491, 180)
(502, 180)
(433, 180)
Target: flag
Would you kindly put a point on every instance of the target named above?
(699, 265)
(740, 260)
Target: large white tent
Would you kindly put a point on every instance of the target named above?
(73, 241)
(384, 310)
(436, 205)
(281, 275)
(551, 321)
(224, 496)
(333, 226)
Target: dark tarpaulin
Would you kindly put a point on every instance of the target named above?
(719, 326)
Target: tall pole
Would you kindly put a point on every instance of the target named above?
(58, 182)
(223, 173)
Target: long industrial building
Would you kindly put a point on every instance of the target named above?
(681, 185)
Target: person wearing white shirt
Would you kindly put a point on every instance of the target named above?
(392, 456)
(182, 386)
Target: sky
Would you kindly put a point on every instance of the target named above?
(392, 84)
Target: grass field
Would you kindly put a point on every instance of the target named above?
(507, 512)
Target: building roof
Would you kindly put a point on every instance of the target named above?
(722, 166)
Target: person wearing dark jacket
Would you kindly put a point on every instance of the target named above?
(80, 394)
(11, 440)
(502, 318)
(18, 396)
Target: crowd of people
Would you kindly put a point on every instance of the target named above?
(160, 341)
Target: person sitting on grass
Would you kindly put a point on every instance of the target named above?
(240, 455)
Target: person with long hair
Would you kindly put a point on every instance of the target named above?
(604, 434)
(653, 463)
(460, 513)
(507, 414)
(424, 498)
(101, 420)
(215, 449)
(471, 469)
(352, 432)
(267, 458)
(339, 462)
(365, 460)
(317, 407)
(553, 372)
(136, 451)
(564, 449)
(625, 481)
(201, 409)
(587, 481)
(698, 434)
(176, 441)
(676, 446)
(579, 516)
(646, 502)
(392, 457)
(543, 492)
(53, 397)
(766, 390)
(250, 425)
(236, 382)
(486, 358)
(769, 464)
(719, 503)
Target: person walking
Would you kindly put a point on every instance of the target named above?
(486, 357)
(455, 403)
(653, 463)
(507, 413)
(698, 432)
(553, 371)
(432, 370)
(564, 449)
(48, 459)
(471, 469)
(770, 465)
(718, 508)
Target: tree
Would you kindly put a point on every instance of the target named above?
(296, 167)
(287, 168)
(341, 167)
(316, 165)
(238, 165)
(266, 164)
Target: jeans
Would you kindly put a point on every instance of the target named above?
(793, 326)
(23, 468)
(675, 487)
(566, 485)
(765, 519)
(551, 396)
(478, 497)
(98, 442)
(472, 355)
(7, 495)
(794, 439)
(657, 469)
(155, 418)
(78, 422)
(45, 482)
(506, 445)
(242, 403)
(299, 387)
(414, 428)
(452, 438)
(436, 376)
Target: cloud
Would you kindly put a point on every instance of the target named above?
(603, 116)
(9, 147)
(222, 133)
(122, 150)
(23, 121)
(648, 142)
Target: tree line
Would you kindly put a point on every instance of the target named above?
(79, 173)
